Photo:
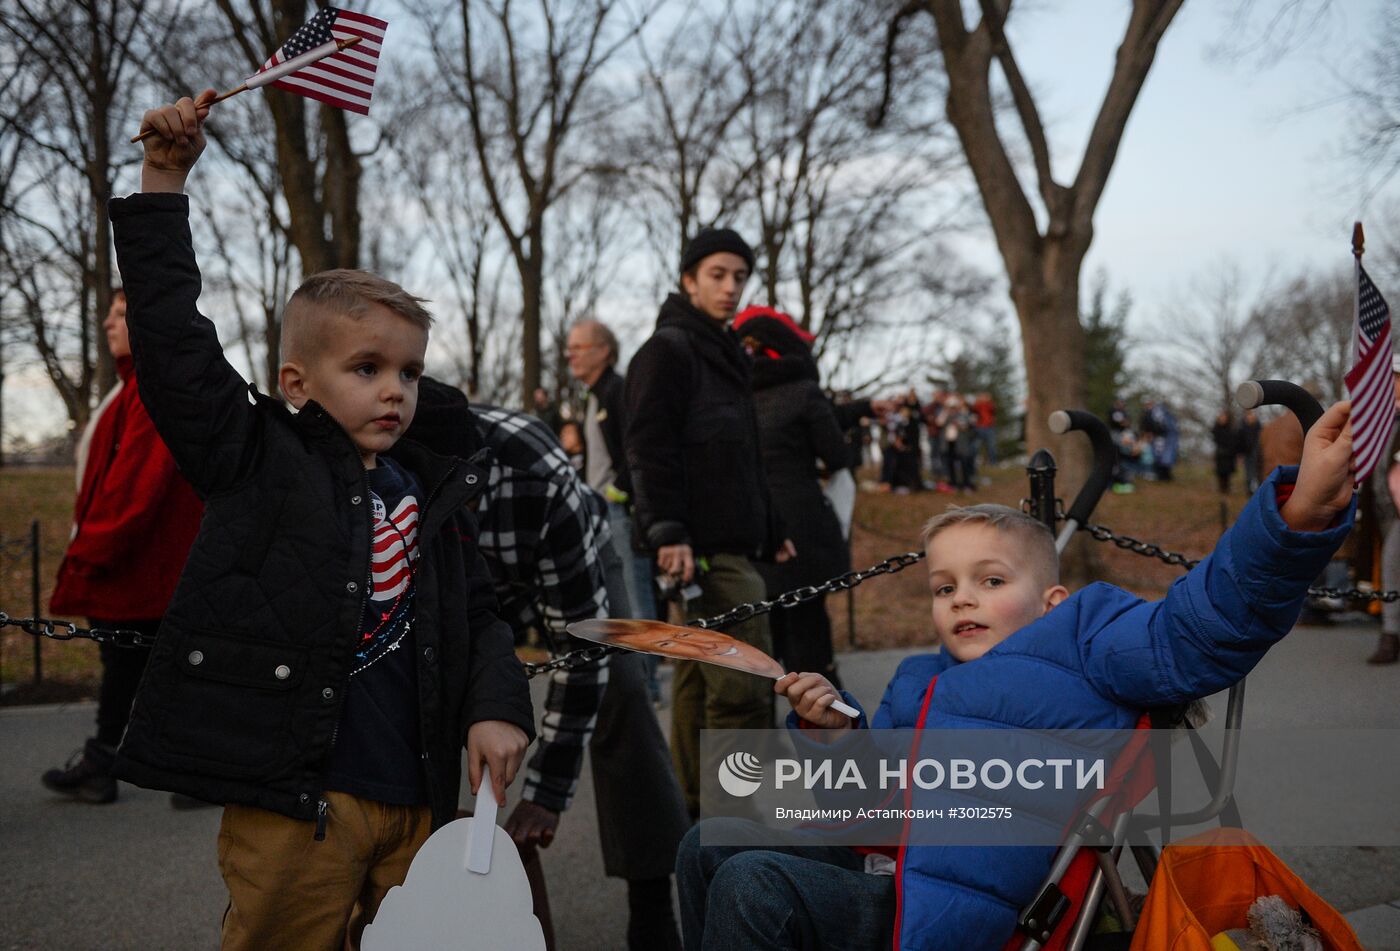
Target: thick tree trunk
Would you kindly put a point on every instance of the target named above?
(1052, 343)
(300, 188)
(101, 188)
(342, 191)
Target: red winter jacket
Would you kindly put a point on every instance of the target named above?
(134, 519)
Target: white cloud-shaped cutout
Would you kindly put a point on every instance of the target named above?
(441, 905)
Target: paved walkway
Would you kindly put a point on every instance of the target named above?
(137, 875)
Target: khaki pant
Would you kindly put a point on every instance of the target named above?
(706, 697)
(286, 890)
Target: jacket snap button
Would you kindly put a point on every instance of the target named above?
(471, 479)
(354, 500)
(328, 694)
(196, 658)
(303, 798)
(429, 654)
(282, 672)
(351, 587)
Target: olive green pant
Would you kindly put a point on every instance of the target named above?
(707, 697)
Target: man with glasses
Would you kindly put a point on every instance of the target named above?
(592, 352)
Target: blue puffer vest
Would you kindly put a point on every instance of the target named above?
(1094, 662)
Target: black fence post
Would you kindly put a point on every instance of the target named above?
(1041, 472)
(34, 597)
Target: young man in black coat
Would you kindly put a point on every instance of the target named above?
(701, 501)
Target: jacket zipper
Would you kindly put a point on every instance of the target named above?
(424, 757)
(322, 807)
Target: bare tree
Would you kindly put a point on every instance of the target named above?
(588, 230)
(1042, 247)
(1305, 332)
(441, 175)
(693, 89)
(528, 82)
(318, 172)
(1214, 340)
(66, 71)
(1377, 120)
(754, 115)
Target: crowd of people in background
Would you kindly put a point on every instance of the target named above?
(915, 446)
(932, 446)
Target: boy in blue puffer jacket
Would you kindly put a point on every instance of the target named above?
(1095, 661)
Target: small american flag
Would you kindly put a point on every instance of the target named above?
(344, 79)
(1371, 381)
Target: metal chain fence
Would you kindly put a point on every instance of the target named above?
(41, 627)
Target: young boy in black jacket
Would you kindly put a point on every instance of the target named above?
(333, 640)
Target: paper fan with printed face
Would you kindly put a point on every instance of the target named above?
(682, 643)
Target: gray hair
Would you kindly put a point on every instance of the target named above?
(604, 335)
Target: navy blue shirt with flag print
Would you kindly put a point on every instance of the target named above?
(376, 752)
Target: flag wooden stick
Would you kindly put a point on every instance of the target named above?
(277, 72)
(1358, 241)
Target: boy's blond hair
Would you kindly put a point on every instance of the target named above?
(341, 292)
(1038, 545)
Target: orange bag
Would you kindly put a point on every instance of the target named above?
(1205, 884)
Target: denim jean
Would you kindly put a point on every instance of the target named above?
(638, 568)
(987, 441)
(770, 897)
(637, 578)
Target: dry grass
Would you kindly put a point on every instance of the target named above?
(890, 611)
(70, 669)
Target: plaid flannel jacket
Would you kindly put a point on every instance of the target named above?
(541, 529)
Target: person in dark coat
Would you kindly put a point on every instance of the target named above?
(1226, 439)
(701, 503)
(797, 428)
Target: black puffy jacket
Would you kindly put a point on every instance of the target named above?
(692, 440)
(243, 691)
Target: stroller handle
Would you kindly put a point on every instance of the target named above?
(1255, 393)
(1105, 457)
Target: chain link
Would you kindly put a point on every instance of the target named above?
(573, 660)
(67, 631)
(1178, 560)
(742, 612)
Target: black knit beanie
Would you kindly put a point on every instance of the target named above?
(715, 241)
